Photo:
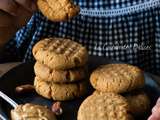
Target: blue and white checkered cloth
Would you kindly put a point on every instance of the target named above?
(123, 30)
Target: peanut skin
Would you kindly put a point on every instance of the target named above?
(56, 108)
(24, 89)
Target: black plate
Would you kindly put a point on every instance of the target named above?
(24, 74)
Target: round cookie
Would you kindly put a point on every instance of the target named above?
(58, 10)
(30, 111)
(60, 92)
(108, 106)
(59, 76)
(59, 53)
(117, 78)
(139, 102)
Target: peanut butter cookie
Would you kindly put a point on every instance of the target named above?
(60, 92)
(108, 106)
(117, 78)
(139, 102)
(59, 76)
(59, 53)
(58, 10)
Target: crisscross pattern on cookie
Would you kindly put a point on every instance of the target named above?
(60, 46)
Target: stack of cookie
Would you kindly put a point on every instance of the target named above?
(118, 94)
(60, 69)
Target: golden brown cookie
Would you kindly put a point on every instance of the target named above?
(59, 53)
(32, 112)
(108, 106)
(139, 102)
(117, 78)
(60, 92)
(59, 76)
(58, 10)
